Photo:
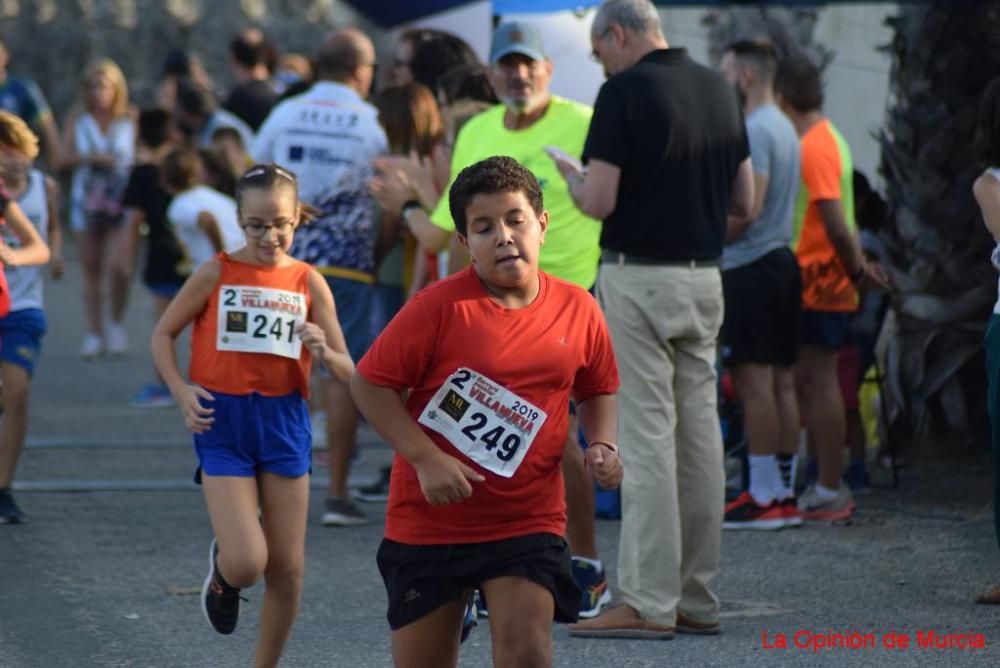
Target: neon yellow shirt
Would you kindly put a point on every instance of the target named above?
(571, 251)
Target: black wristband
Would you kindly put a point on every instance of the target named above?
(410, 204)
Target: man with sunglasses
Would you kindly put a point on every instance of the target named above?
(330, 137)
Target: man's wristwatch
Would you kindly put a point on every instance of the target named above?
(408, 206)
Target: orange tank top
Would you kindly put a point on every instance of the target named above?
(244, 341)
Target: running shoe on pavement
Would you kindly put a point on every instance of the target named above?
(471, 618)
(9, 512)
(745, 513)
(342, 513)
(839, 507)
(219, 602)
(790, 512)
(116, 340)
(378, 491)
(594, 584)
(91, 346)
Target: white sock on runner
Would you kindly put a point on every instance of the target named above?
(787, 467)
(764, 478)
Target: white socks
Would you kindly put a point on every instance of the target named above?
(765, 480)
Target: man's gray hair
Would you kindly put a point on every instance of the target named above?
(638, 16)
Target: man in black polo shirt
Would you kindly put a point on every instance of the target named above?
(667, 159)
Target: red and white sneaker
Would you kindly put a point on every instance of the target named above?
(790, 512)
(745, 513)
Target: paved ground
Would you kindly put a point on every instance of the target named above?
(104, 574)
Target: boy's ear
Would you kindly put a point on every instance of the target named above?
(543, 221)
(462, 240)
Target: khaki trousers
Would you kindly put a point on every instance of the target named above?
(664, 322)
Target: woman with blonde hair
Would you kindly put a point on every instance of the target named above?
(99, 146)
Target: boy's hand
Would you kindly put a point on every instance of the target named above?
(313, 337)
(197, 418)
(444, 479)
(605, 464)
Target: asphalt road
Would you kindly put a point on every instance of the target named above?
(107, 569)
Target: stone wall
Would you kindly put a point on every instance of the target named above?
(52, 41)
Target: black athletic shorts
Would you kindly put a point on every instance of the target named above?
(763, 306)
(419, 579)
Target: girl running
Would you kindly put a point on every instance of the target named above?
(260, 317)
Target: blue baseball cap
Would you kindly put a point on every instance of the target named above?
(517, 37)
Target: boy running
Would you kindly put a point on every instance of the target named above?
(30, 211)
(260, 317)
(491, 357)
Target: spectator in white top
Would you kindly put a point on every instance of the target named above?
(330, 137)
(199, 115)
(99, 146)
(204, 220)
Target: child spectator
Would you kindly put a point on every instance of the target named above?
(203, 219)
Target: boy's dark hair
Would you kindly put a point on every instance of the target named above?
(154, 127)
(799, 83)
(180, 169)
(195, 99)
(219, 173)
(499, 174)
(442, 52)
(988, 130)
(761, 56)
(227, 132)
(249, 48)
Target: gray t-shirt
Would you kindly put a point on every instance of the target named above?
(774, 150)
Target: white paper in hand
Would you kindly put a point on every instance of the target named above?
(558, 154)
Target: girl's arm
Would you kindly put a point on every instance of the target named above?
(33, 250)
(54, 230)
(322, 334)
(184, 308)
(210, 226)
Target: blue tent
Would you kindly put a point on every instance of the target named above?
(389, 13)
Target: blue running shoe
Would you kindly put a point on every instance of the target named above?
(9, 512)
(471, 618)
(594, 584)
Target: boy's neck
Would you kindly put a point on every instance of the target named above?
(513, 298)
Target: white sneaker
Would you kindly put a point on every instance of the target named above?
(91, 347)
(117, 340)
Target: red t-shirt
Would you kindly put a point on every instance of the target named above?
(544, 353)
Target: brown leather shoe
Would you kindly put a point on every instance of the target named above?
(687, 625)
(991, 597)
(621, 621)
